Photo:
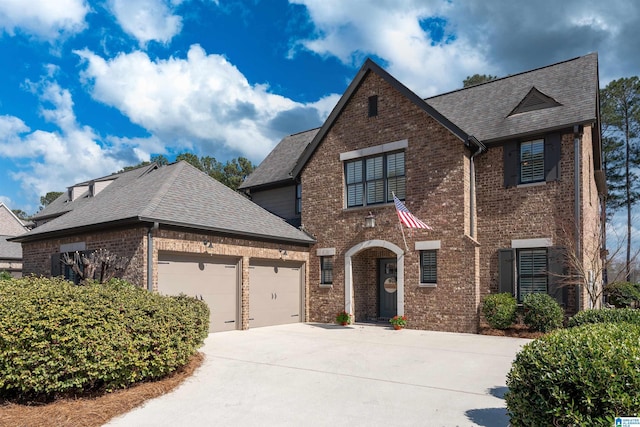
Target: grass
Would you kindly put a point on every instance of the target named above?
(95, 409)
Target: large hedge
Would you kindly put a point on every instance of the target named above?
(500, 310)
(56, 337)
(542, 313)
(583, 376)
(605, 315)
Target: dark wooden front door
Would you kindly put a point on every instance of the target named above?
(388, 287)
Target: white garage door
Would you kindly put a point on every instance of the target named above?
(213, 279)
(274, 293)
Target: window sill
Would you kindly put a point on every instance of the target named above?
(367, 207)
(428, 285)
(531, 184)
(325, 285)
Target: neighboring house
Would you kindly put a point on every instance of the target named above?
(181, 232)
(10, 252)
(508, 173)
(271, 184)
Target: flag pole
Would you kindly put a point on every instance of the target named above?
(401, 227)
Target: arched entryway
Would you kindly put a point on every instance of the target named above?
(349, 294)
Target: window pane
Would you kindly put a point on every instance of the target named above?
(375, 192)
(428, 267)
(326, 270)
(395, 164)
(374, 168)
(532, 272)
(397, 186)
(354, 172)
(354, 195)
(532, 161)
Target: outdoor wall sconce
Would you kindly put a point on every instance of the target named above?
(283, 252)
(369, 221)
(208, 243)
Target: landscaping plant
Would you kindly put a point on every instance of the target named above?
(585, 376)
(500, 310)
(542, 313)
(56, 337)
(605, 315)
(623, 294)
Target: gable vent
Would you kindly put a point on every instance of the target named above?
(534, 100)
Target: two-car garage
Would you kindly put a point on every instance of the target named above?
(275, 288)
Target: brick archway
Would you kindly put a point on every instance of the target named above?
(349, 299)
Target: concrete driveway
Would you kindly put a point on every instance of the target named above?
(326, 375)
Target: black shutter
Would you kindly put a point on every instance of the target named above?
(552, 151)
(506, 271)
(511, 164)
(55, 265)
(557, 273)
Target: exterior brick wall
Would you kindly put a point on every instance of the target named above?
(436, 166)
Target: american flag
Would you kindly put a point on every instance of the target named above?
(407, 217)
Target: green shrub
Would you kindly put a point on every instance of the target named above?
(56, 337)
(5, 275)
(542, 313)
(500, 310)
(576, 377)
(605, 315)
(623, 294)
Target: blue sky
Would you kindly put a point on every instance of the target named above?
(89, 87)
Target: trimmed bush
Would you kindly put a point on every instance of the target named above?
(583, 376)
(5, 275)
(605, 315)
(500, 310)
(542, 313)
(623, 294)
(56, 337)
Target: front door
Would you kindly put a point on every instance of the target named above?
(388, 287)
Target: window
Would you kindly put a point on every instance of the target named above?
(532, 272)
(532, 161)
(428, 267)
(326, 270)
(298, 199)
(373, 106)
(373, 180)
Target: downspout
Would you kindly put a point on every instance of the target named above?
(577, 133)
(150, 256)
(481, 148)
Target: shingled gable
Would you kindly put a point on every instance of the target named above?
(276, 168)
(175, 195)
(371, 67)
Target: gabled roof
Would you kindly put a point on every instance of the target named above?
(277, 166)
(10, 224)
(484, 110)
(371, 67)
(178, 195)
(10, 250)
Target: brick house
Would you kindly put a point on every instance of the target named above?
(10, 252)
(508, 173)
(181, 232)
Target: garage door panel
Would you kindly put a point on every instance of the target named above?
(212, 279)
(274, 293)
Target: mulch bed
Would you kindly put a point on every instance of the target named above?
(516, 331)
(96, 409)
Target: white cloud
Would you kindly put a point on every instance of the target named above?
(147, 20)
(43, 18)
(200, 101)
(486, 37)
(51, 161)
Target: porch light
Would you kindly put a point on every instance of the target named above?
(369, 221)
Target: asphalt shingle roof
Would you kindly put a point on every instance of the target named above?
(277, 166)
(10, 250)
(176, 194)
(483, 110)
